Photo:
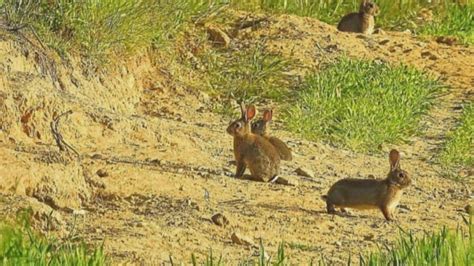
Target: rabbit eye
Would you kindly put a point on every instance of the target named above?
(401, 175)
(370, 5)
(238, 125)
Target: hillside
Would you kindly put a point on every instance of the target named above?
(155, 162)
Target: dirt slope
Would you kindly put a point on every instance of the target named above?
(165, 159)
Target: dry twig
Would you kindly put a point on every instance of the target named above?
(63, 146)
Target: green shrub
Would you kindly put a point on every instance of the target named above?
(362, 105)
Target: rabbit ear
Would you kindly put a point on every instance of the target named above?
(250, 113)
(242, 108)
(267, 115)
(394, 158)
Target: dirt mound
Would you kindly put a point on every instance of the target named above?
(155, 162)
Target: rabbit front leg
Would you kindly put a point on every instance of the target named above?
(331, 208)
(240, 169)
(386, 213)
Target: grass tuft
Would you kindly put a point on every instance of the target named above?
(458, 151)
(251, 75)
(362, 105)
(440, 248)
(19, 245)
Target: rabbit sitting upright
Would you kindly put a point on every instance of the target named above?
(259, 127)
(361, 22)
(253, 151)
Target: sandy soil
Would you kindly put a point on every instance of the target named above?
(156, 163)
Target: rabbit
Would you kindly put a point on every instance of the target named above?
(253, 151)
(383, 194)
(362, 22)
(259, 127)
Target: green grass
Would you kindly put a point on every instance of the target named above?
(445, 247)
(97, 29)
(251, 75)
(19, 245)
(458, 151)
(452, 20)
(100, 28)
(362, 105)
(441, 248)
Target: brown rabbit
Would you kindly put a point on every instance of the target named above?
(259, 127)
(253, 151)
(370, 193)
(362, 22)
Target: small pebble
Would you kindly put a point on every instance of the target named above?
(102, 173)
(220, 220)
(304, 172)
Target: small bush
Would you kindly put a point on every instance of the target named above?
(362, 105)
(458, 151)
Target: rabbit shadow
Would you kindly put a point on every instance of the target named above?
(279, 180)
(294, 208)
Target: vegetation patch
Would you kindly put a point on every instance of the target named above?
(98, 28)
(19, 245)
(440, 248)
(362, 105)
(458, 151)
(452, 20)
(247, 74)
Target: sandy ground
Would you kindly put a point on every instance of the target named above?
(156, 163)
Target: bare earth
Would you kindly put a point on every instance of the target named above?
(165, 159)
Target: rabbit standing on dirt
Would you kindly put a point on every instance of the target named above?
(362, 22)
(370, 193)
(253, 151)
(259, 127)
